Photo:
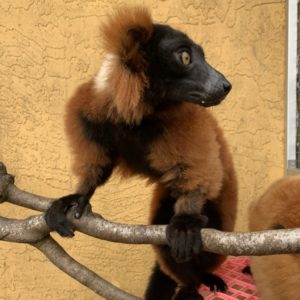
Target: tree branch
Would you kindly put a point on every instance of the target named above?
(34, 230)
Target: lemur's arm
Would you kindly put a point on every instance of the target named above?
(183, 232)
(93, 168)
(93, 172)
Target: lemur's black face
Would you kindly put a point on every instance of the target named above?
(178, 71)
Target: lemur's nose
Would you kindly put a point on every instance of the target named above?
(226, 86)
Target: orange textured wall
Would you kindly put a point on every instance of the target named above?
(48, 47)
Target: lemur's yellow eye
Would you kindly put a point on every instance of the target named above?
(185, 58)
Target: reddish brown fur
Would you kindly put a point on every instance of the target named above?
(229, 193)
(87, 156)
(186, 143)
(126, 87)
(115, 35)
(277, 277)
(127, 91)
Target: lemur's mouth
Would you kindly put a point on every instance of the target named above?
(212, 101)
(205, 100)
(209, 103)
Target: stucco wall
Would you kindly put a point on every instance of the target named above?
(47, 47)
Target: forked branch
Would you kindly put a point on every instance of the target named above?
(34, 231)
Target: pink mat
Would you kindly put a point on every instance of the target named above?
(240, 286)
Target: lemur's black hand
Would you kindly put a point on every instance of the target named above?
(214, 282)
(183, 236)
(56, 215)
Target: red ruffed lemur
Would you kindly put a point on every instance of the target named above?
(145, 113)
(277, 277)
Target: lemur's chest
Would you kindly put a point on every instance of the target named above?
(130, 143)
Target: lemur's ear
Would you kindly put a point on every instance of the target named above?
(125, 32)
